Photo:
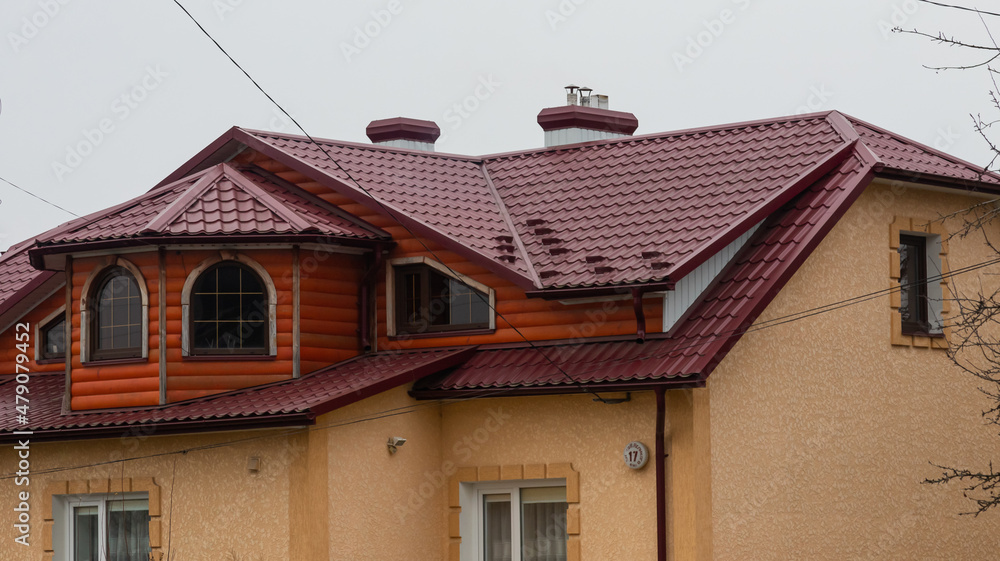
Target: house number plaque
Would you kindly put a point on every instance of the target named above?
(636, 454)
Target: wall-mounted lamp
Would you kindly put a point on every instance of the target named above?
(253, 464)
(394, 443)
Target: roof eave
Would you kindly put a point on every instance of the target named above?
(883, 171)
(676, 382)
(37, 255)
(598, 291)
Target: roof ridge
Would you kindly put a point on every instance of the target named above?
(510, 225)
(185, 200)
(265, 198)
(366, 146)
(659, 135)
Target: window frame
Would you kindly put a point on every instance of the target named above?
(42, 356)
(193, 350)
(395, 299)
(90, 314)
(187, 322)
(472, 516)
(63, 507)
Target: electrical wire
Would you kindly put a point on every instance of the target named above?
(976, 10)
(27, 192)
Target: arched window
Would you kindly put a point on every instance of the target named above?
(229, 311)
(116, 321)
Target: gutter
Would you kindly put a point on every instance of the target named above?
(597, 291)
(367, 289)
(562, 389)
(661, 476)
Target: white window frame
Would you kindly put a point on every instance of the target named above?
(62, 516)
(472, 518)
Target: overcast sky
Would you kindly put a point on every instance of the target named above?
(161, 91)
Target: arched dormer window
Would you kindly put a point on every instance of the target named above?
(116, 322)
(229, 309)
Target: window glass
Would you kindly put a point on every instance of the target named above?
(86, 543)
(427, 301)
(118, 322)
(913, 307)
(54, 339)
(497, 530)
(229, 311)
(543, 523)
(128, 530)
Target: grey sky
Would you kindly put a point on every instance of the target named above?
(481, 70)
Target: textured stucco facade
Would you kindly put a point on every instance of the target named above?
(823, 430)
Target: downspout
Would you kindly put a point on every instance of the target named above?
(661, 477)
(640, 316)
(366, 291)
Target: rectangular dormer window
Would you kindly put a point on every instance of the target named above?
(427, 298)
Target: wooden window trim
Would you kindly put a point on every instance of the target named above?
(96, 353)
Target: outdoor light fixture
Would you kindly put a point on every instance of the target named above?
(253, 464)
(395, 442)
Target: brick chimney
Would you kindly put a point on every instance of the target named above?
(585, 117)
(401, 132)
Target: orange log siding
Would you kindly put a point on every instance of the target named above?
(8, 339)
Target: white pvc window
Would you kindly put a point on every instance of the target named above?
(518, 521)
(101, 528)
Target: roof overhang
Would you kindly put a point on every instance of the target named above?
(53, 257)
(16, 305)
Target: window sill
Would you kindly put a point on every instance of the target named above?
(56, 360)
(924, 334)
(112, 361)
(453, 333)
(230, 358)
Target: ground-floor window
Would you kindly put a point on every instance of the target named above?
(519, 520)
(101, 527)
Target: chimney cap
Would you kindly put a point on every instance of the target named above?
(576, 116)
(402, 128)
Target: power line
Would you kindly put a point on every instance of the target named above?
(27, 192)
(976, 10)
(495, 392)
(378, 202)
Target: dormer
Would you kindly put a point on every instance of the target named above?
(228, 278)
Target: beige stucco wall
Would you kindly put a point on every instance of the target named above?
(822, 431)
(617, 504)
(211, 505)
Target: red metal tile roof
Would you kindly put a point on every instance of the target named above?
(221, 200)
(17, 277)
(448, 194)
(910, 157)
(292, 401)
(701, 339)
(621, 211)
(587, 214)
